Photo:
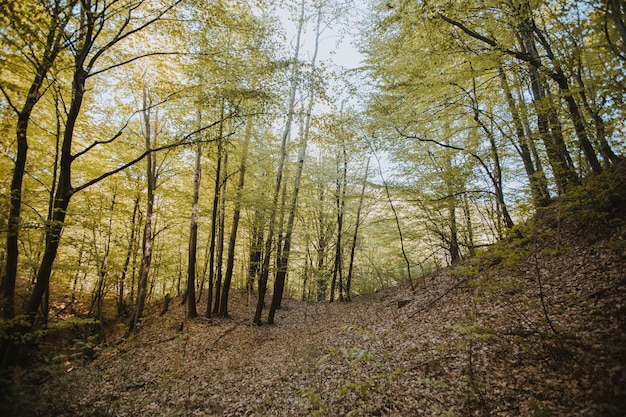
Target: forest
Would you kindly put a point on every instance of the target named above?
(358, 207)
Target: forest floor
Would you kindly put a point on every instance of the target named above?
(534, 326)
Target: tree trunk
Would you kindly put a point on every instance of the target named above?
(558, 156)
(220, 237)
(357, 223)
(536, 178)
(453, 244)
(283, 259)
(496, 176)
(577, 119)
(51, 50)
(97, 299)
(323, 233)
(340, 206)
(470, 229)
(610, 158)
(279, 175)
(256, 253)
(121, 305)
(193, 235)
(232, 241)
(148, 234)
(616, 11)
(214, 220)
(64, 192)
(405, 256)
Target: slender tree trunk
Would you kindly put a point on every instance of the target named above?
(214, 219)
(322, 246)
(103, 264)
(121, 305)
(610, 158)
(496, 178)
(340, 206)
(616, 12)
(64, 191)
(193, 235)
(256, 253)
(322, 279)
(536, 178)
(357, 224)
(547, 119)
(220, 237)
(148, 234)
(455, 254)
(400, 234)
(283, 259)
(232, 241)
(279, 175)
(576, 116)
(52, 48)
(470, 229)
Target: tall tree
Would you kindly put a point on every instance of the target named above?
(269, 239)
(283, 260)
(214, 220)
(355, 235)
(193, 232)
(150, 133)
(232, 241)
(42, 28)
(94, 21)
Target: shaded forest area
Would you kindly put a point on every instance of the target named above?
(534, 326)
(175, 175)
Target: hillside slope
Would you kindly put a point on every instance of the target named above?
(534, 326)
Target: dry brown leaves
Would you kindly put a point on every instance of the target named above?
(482, 339)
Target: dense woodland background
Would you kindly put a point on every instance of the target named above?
(159, 152)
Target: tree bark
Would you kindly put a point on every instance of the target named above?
(220, 238)
(279, 175)
(214, 220)
(536, 178)
(121, 305)
(256, 253)
(547, 120)
(357, 224)
(51, 50)
(193, 235)
(148, 234)
(283, 260)
(232, 241)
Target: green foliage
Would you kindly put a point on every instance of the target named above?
(474, 332)
(354, 355)
(616, 245)
(319, 408)
(17, 332)
(538, 409)
(363, 386)
(73, 323)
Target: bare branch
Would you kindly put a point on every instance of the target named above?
(185, 140)
(103, 142)
(519, 55)
(119, 37)
(149, 54)
(456, 148)
(6, 95)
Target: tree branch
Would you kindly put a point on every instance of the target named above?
(128, 61)
(183, 141)
(456, 148)
(519, 55)
(10, 103)
(121, 36)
